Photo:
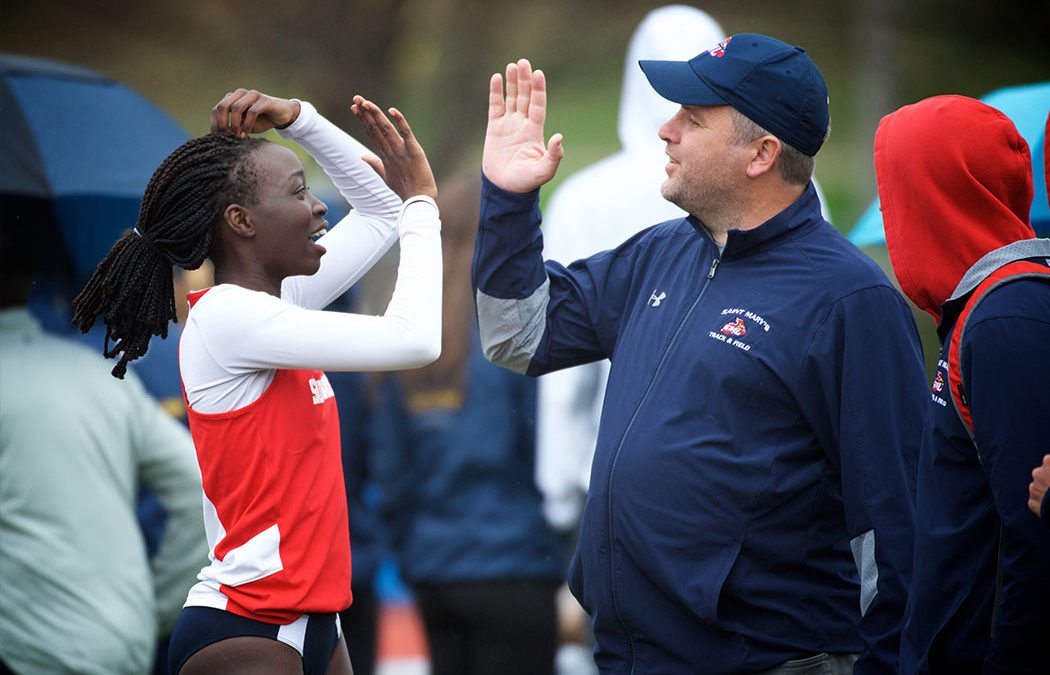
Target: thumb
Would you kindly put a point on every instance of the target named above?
(555, 149)
(376, 164)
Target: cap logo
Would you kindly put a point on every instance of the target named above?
(719, 50)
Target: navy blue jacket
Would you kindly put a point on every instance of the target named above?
(978, 538)
(367, 548)
(762, 414)
(457, 484)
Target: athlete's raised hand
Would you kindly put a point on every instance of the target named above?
(515, 157)
(401, 162)
(247, 111)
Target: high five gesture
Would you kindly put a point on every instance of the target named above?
(401, 162)
(515, 157)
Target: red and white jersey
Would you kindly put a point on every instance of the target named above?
(275, 503)
(261, 411)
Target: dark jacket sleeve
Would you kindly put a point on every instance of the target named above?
(865, 399)
(1005, 373)
(536, 317)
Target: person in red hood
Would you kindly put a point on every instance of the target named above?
(955, 182)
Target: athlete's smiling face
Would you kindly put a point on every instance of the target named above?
(287, 218)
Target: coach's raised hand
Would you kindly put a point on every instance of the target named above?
(515, 157)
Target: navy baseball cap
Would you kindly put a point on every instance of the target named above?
(774, 84)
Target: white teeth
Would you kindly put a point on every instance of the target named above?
(317, 235)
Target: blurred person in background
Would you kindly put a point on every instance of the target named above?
(955, 183)
(77, 590)
(261, 410)
(750, 503)
(454, 461)
(360, 620)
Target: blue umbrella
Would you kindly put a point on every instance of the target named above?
(77, 151)
(1027, 105)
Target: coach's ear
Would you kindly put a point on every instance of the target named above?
(765, 151)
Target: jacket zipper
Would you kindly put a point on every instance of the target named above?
(623, 439)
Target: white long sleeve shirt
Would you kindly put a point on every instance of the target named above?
(235, 338)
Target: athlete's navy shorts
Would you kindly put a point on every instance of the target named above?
(314, 636)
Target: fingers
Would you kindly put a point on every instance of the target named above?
(376, 125)
(220, 114)
(512, 88)
(250, 116)
(1037, 488)
(538, 103)
(384, 134)
(403, 128)
(375, 163)
(524, 86)
(496, 107)
(238, 111)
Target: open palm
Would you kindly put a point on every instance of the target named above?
(515, 157)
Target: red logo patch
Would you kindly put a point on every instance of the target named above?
(938, 382)
(737, 328)
(719, 50)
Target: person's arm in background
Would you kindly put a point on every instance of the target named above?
(1006, 382)
(167, 466)
(864, 394)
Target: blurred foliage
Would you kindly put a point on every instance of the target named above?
(433, 58)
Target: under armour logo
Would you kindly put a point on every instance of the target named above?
(655, 300)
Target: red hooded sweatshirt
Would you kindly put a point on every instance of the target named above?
(955, 182)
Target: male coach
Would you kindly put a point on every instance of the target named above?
(763, 407)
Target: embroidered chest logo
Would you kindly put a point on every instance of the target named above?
(739, 324)
(655, 300)
(737, 328)
(719, 50)
(939, 380)
(321, 390)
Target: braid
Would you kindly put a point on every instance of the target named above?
(131, 289)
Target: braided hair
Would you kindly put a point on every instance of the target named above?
(131, 289)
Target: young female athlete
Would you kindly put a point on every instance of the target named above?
(252, 353)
